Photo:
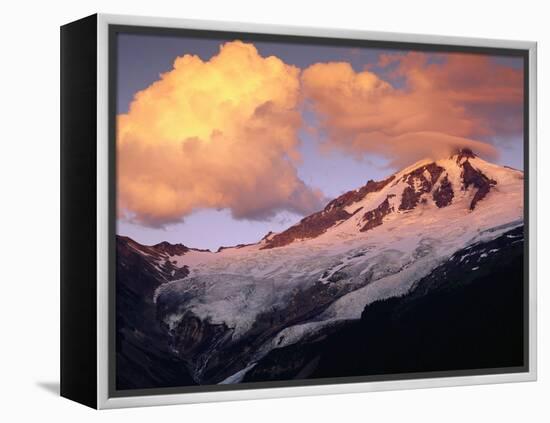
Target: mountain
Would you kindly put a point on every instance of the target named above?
(462, 179)
(144, 358)
(226, 314)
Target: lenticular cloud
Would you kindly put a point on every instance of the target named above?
(455, 102)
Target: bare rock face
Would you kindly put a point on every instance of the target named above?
(351, 197)
(464, 153)
(170, 249)
(143, 357)
(309, 227)
(317, 223)
(374, 218)
(420, 181)
(444, 194)
(196, 340)
(472, 176)
(154, 264)
(409, 199)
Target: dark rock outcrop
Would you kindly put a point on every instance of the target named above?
(409, 199)
(143, 357)
(154, 261)
(374, 218)
(351, 197)
(472, 176)
(167, 248)
(317, 223)
(464, 153)
(308, 227)
(444, 194)
(419, 184)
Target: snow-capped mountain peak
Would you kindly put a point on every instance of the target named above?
(463, 179)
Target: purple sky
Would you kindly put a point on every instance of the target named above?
(141, 58)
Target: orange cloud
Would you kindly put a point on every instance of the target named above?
(214, 134)
(460, 101)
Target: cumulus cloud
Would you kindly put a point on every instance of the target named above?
(219, 134)
(456, 101)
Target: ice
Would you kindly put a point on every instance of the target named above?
(237, 377)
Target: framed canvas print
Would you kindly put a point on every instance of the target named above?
(254, 211)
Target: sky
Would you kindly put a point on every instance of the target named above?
(222, 141)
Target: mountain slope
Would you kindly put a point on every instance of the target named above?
(466, 314)
(143, 356)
